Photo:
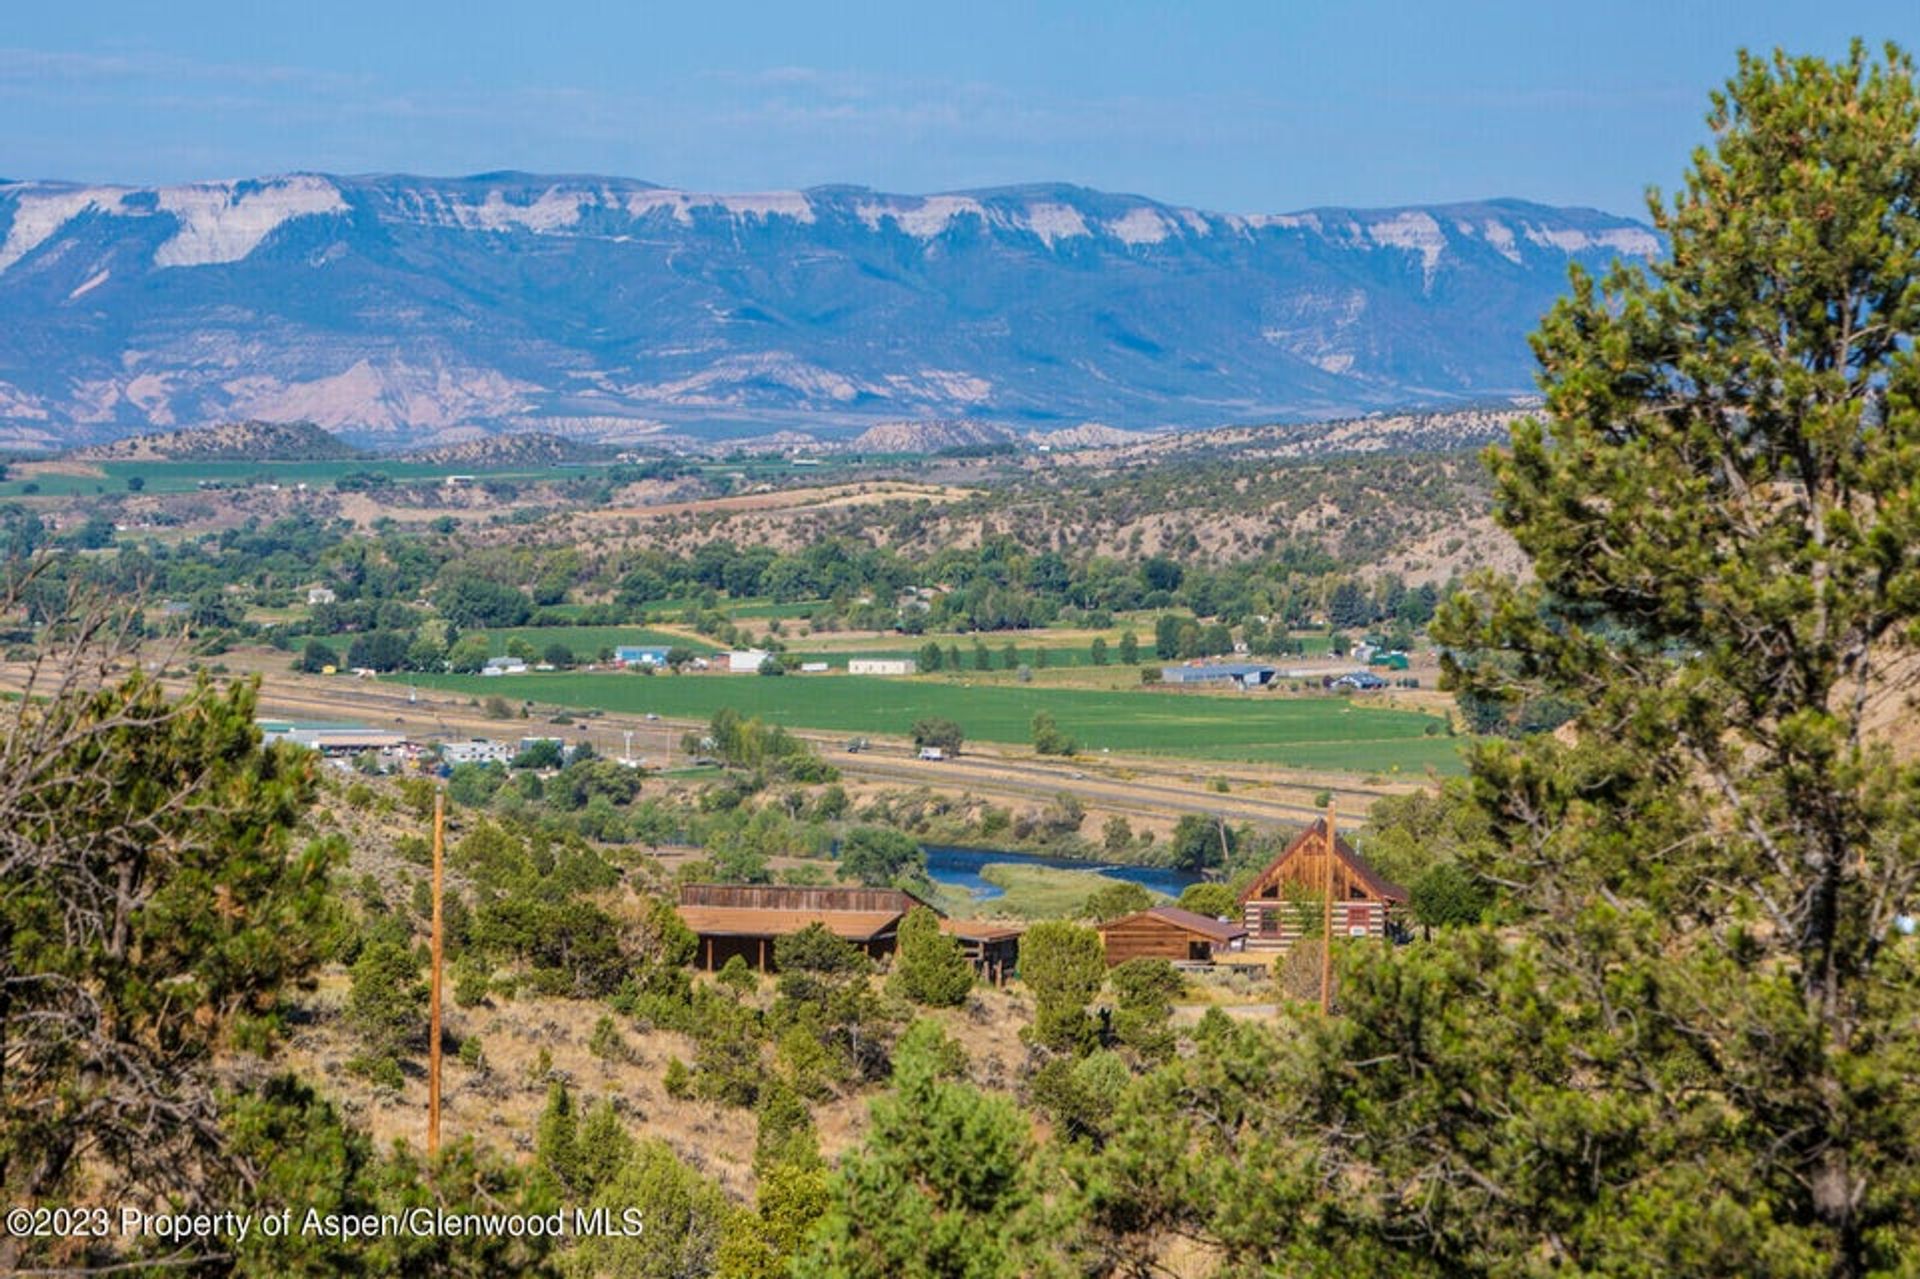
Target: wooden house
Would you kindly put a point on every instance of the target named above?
(1288, 898)
(1168, 932)
(745, 919)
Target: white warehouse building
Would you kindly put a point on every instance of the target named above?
(882, 666)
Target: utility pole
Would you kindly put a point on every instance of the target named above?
(1326, 921)
(433, 999)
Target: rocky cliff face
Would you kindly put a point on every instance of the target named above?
(390, 308)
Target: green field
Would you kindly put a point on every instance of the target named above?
(1317, 732)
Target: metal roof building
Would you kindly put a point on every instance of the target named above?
(1245, 674)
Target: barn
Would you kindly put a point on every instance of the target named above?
(1168, 932)
(1288, 898)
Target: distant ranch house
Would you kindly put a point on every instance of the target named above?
(640, 655)
(1170, 933)
(882, 666)
(321, 595)
(747, 919)
(1238, 674)
(1287, 900)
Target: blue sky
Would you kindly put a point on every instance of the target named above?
(1254, 107)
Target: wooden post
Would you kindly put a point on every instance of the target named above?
(763, 954)
(1326, 923)
(433, 998)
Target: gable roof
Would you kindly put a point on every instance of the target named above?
(1185, 920)
(1309, 843)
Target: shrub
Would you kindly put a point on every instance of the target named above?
(607, 1043)
(678, 1081)
(737, 976)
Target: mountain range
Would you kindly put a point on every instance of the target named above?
(397, 309)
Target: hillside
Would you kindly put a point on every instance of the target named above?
(393, 308)
(929, 437)
(228, 442)
(502, 451)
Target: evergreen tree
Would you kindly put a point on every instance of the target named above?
(387, 1008)
(685, 1216)
(943, 1183)
(156, 909)
(930, 967)
(1063, 965)
(1692, 1049)
(555, 1138)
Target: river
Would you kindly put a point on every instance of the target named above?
(960, 868)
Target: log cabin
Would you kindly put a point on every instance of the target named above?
(1168, 932)
(1288, 898)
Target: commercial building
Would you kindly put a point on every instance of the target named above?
(1241, 674)
(747, 661)
(882, 666)
(640, 655)
(479, 750)
(332, 739)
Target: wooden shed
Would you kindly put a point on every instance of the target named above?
(1288, 898)
(746, 919)
(1168, 932)
(991, 945)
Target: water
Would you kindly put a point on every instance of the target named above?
(960, 868)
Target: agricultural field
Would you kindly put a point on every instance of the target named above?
(1300, 732)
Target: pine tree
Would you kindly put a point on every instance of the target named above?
(930, 968)
(1063, 965)
(1690, 1048)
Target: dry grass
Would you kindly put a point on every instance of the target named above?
(499, 1106)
